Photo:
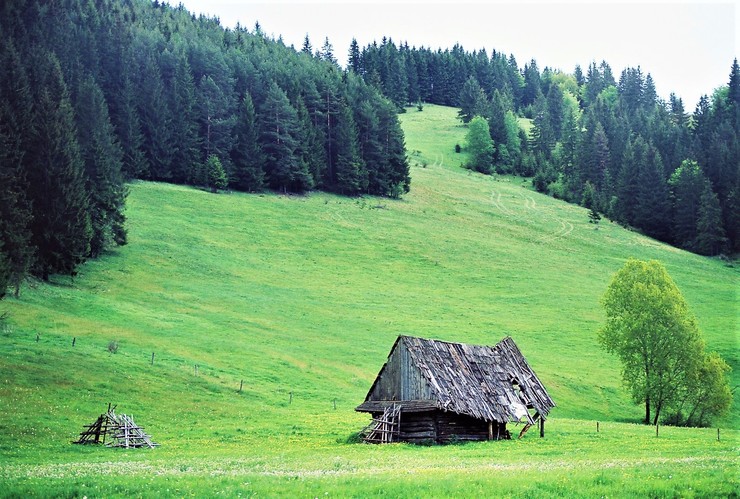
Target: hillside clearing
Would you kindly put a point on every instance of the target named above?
(301, 297)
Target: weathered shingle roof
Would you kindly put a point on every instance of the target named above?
(492, 383)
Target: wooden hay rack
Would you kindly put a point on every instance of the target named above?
(119, 429)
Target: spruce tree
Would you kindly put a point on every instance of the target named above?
(710, 234)
(61, 223)
(102, 157)
(246, 154)
(181, 95)
(351, 173)
(279, 137)
(16, 132)
(687, 184)
(653, 211)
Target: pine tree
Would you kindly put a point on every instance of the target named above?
(687, 184)
(279, 132)
(156, 121)
(351, 173)
(327, 52)
(710, 235)
(246, 154)
(181, 94)
(473, 101)
(307, 48)
(61, 224)
(16, 131)
(627, 182)
(102, 157)
(353, 59)
(653, 210)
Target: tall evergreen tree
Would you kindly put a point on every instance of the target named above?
(102, 158)
(61, 223)
(16, 131)
(653, 210)
(710, 234)
(246, 154)
(351, 173)
(181, 94)
(687, 184)
(473, 101)
(279, 129)
(353, 58)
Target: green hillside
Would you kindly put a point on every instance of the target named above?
(300, 298)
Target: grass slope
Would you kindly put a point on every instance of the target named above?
(301, 298)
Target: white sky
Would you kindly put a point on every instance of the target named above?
(688, 46)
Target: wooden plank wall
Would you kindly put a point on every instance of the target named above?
(445, 427)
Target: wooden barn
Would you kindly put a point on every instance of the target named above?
(436, 391)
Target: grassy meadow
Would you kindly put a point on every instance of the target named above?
(298, 299)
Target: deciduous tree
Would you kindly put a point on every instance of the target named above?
(650, 328)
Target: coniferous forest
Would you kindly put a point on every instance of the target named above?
(96, 93)
(93, 94)
(605, 142)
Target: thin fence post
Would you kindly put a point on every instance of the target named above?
(717, 434)
(290, 401)
(335, 404)
(241, 385)
(152, 358)
(74, 340)
(37, 337)
(597, 427)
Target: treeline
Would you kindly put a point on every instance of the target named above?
(95, 93)
(611, 145)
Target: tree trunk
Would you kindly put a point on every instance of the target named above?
(647, 409)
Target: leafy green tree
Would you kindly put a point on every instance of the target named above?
(707, 394)
(216, 175)
(650, 328)
(479, 145)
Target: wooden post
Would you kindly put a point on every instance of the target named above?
(241, 385)
(74, 340)
(290, 401)
(597, 427)
(490, 430)
(152, 358)
(717, 434)
(37, 337)
(542, 428)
